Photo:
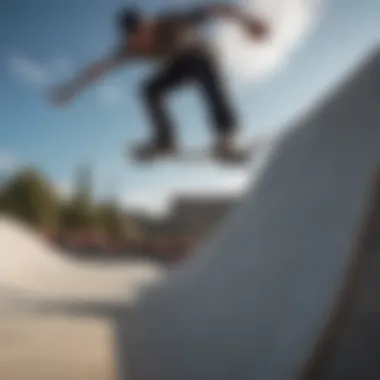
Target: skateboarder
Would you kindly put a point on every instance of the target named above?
(175, 41)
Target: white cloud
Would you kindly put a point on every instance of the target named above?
(290, 22)
(28, 70)
(8, 162)
(35, 72)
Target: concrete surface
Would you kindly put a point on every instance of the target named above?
(253, 303)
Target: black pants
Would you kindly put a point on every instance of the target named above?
(194, 65)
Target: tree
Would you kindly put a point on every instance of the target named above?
(116, 224)
(79, 213)
(76, 215)
(111, 220)
(28, 195)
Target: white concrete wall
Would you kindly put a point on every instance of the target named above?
(253, 302)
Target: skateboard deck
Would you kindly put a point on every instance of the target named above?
(193, 155)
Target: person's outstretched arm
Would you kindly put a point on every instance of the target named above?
(88, 75)
(254, 25)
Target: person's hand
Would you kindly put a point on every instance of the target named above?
(258, 29)
(62, 94)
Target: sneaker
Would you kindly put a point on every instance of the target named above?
(226, 147)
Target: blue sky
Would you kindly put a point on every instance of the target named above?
(43, 42)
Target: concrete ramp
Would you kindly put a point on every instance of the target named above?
(36, 275)
(288, 287)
